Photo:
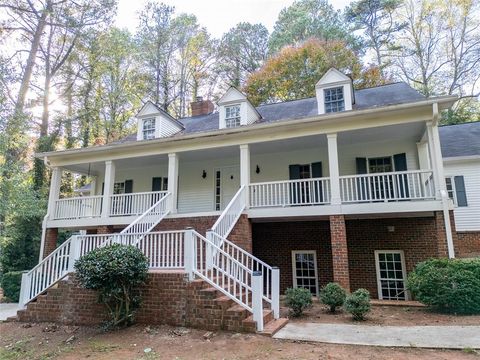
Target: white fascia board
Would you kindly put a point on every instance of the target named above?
(467, 158)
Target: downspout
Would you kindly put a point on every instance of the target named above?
(443, 194)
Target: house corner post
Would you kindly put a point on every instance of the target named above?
(109, 183)
(173, 182)
(54, 193)
(245, 171)
(333, 168)
(276, 292)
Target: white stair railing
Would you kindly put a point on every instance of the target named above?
(229, 217)
(227, 275)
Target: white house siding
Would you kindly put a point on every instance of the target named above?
(252, 115)
(167, 127)
(467, 218)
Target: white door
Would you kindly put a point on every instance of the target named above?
(227, 183)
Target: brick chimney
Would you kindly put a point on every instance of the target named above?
(201, 107)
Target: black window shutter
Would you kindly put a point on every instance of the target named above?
(361, 165)
(361, 169)
(460, 190)
(317, 173)
(157, 184)
(128, 186)
(294, 171)
(103, 188)
(400, 162)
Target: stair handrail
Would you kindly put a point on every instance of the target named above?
(230, 215)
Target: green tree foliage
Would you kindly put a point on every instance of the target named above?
(242, 51)
(294, 71)
(306, 19)
(11, 283)
(448, 285)
(116, 272)
(375, 18)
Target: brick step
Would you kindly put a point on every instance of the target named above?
(273, 326)
(12, 318)
(249, 323)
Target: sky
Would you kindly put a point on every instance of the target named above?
(218, 16)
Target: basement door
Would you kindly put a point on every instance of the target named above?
(227, 183)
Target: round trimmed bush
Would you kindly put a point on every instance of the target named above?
(333, 295)
(447, 285)
(116, 272)
(358, 304)
(298, 299)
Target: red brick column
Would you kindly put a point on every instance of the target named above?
(241, 234)
(50, 244)
(338, 235)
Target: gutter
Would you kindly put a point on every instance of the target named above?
(461, 158)
(448, 100)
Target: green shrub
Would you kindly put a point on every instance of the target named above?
(298, 299)
(11, 282)
(448, 285)
(333, 295)
(116, 272)
(358, 304)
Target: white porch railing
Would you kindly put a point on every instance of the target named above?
(402, 185)
(315, 191)
(134, 203)
(229, 217)
(164, 250)
(78, 207)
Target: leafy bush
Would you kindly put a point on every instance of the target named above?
(358, 304)
(116, 272)
(298, 299)
(448, 285)
(333, 295)
(11, 282)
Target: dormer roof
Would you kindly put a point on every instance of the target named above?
(150, 109)
(332, 77)
(232, 95)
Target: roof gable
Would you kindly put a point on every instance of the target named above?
(332, 76)
(232, 95)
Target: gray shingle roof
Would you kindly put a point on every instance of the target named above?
(460, 140)
(391, 94)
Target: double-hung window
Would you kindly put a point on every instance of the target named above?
(334, 100)
(456, 190)
(232, 116)
(148, 129)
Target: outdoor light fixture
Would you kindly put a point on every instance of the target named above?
(257, 170)
(204, 174)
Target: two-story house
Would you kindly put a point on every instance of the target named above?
(346, 186)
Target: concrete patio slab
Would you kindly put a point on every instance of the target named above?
(447, 337)
(7, 310)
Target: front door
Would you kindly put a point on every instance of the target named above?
(227, 183)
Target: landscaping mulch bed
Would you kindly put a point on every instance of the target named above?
(386, 315)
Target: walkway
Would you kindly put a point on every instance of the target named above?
(7, 310)
(451, 337)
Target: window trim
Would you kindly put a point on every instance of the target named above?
(404, 271)
(234, 118)
(149, 130)
(325, 102)
(294, 268)
(380, 157)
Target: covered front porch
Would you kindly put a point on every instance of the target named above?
(375, 170)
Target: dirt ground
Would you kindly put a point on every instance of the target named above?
(386, 315)
(48, 341)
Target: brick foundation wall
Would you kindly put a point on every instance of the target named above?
(273, 243)
(167, 298)
(467, 244)
(51, 236)
(417, 237)
(338, 235)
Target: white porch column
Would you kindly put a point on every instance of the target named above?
(109, 183)
(93, 186)
(436, 158)
(54, 194)
(245, 170)
(333, 169)
(173, 181)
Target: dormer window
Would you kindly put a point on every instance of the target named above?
(148, 129)
(334, 100)
(232, 116)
